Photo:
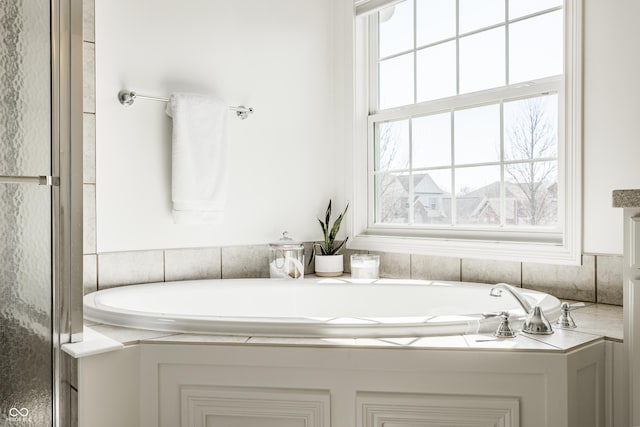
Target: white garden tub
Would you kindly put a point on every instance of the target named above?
(311, 307)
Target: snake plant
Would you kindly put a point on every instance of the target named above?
(329, 246)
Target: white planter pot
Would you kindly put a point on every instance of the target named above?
(329, 265)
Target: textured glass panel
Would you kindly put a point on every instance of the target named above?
(436, 20)
(396, 29)
(431, 137)
(25, 103)
(25, 305)
(477, 135)
(436, 71)
(535, 47)
(396, 81)
(482, 59)
(478, 195)
(25, 215)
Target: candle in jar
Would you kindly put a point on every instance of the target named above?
(364, 266)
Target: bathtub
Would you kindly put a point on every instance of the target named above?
(311, 307)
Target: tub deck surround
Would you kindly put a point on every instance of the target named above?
(595, 322)
(164, 379)
(178, 380)
(560, 341)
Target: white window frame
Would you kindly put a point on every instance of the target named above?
(472, 243)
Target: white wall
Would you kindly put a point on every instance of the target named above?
(286, 159)
(286, 58)
(611, 117)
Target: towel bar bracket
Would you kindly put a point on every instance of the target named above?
(242, 112)
(128, 97)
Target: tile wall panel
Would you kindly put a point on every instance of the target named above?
(490, 271)
(128, 268)
(90, 273)
(562, 281)
(88, 77)
(394, 265)
(192, 264)
(609, 279)
(88, 21)
(89, 148)
(245, 261)
(429, 267)
(89, 219)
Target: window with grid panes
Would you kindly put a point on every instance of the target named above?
(472, 117)
(466, 124)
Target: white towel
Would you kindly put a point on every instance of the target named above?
(199, 158)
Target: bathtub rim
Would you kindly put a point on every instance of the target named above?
(307, 327)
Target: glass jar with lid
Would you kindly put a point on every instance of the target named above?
(286, 258)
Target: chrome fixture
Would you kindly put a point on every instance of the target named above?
(504, 330)
(496, 291)
(535, 323)
(128, 97)
(565, 321)
(40, 180)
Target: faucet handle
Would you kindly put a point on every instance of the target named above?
(565, 321)
(504, 330)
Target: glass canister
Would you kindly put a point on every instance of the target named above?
(286, 258)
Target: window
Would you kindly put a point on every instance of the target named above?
(471, 122)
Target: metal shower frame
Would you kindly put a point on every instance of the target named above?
(66, 215)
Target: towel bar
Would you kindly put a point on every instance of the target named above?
(127, 98)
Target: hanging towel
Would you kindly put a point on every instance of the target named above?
(199, 158)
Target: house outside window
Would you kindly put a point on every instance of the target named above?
(471, 121)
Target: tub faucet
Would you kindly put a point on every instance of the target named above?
(496, 291)
(536, 322)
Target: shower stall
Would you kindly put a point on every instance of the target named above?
(40, 208)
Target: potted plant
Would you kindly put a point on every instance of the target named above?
(329, 262)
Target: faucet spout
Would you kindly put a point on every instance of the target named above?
(496, 291)
(535, 323)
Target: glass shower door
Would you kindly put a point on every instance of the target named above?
(26, 384)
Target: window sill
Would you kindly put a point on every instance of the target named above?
(547, 253)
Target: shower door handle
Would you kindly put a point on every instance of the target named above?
(40, 180)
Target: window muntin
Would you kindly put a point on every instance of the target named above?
(458, 160)
(450, 47)
(500, 159)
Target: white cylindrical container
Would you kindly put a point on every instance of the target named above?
(286, 258)
(329, 265)
(365, 266)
